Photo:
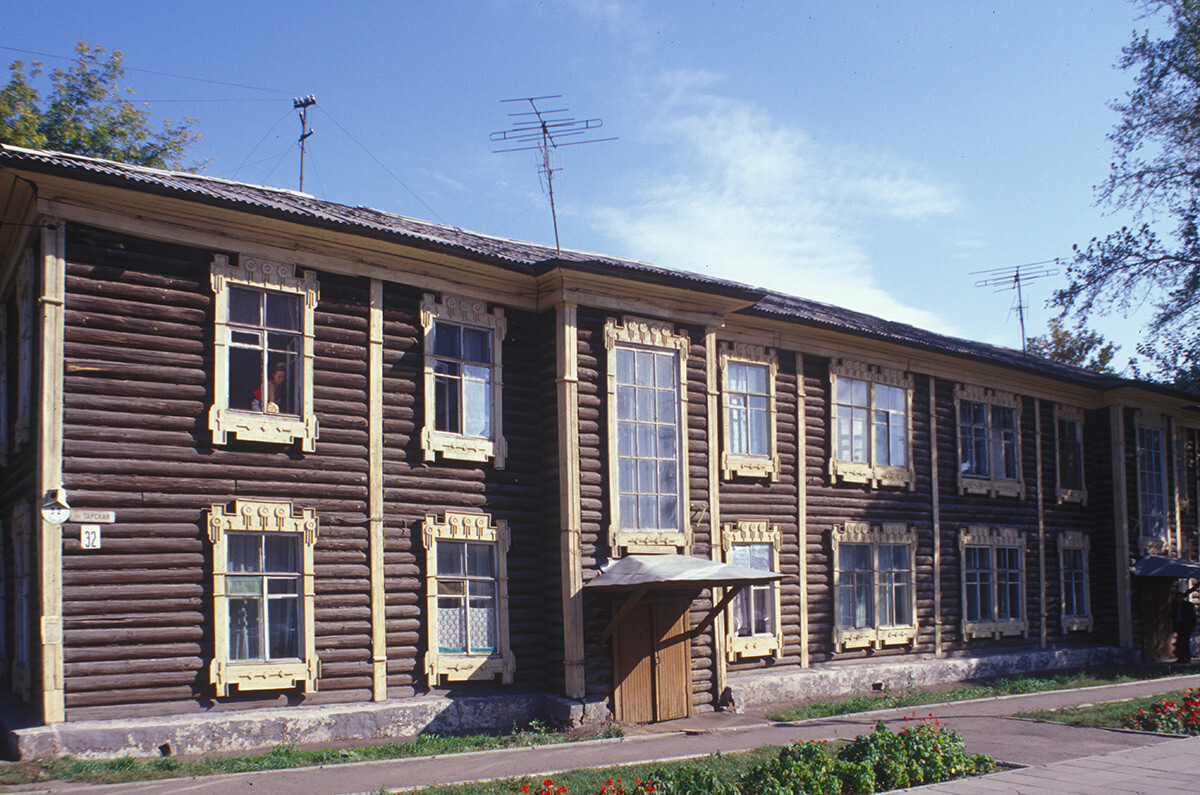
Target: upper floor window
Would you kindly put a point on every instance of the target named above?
(463, 383)
(646, 441)
(872, 424)
(989, 441)
(1068, 432)
(748, 398)
(993, 582)
(466, 559)
(1073, 549)
(263, 352)
(1152, 480)
(753, 628)
(263, 594)
(875, 597)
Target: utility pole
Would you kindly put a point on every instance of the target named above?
(303, 104)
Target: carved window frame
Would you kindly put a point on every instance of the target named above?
(765, 645)
(262, 517)
(635, 333)
(1075, 540)
(24, 593)
(454, 667)
(743, 464)
(868, 472)
(1064, 413)
(995, 538)
(25, 333)
(464, 312)
(991, 485)
(1151, 421)
(262, 275)
(888, 533)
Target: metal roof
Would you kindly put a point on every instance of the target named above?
(1163, 566)
(675, 572)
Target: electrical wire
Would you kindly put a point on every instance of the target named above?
(250, 154)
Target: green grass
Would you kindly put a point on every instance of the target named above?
(999, 687)
(1107, 715)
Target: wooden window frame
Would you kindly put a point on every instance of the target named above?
(742, 464)
(261, 517)
(262, 275)
(868, 472)
(634, 332)
(1064, 413)
(457, 446)
(1156, 422)
(455, 667)
(1075, 540)
(25, 324)
(992, 485)
(995, 538)
(24, 596)
(765, 645)
(887, 533)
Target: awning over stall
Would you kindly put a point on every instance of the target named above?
(638, 574)
(1163, 566)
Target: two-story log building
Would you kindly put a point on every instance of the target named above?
(278, 469)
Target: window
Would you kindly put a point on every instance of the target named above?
(871, 424)
(1068, 453)
(989, 442)
(466, 571)
(1152, 481)
(993, 582)
(463, 384)
(875, 600)
(4, 385)
(23, 600)
(646, 399)
(748, 402)
(263, 596)
(25, 323)
(752, 626)
(1073, 550)
(263, 353)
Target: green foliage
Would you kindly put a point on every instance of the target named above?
(1168, 715)
(801, 767)
(87, 113)
(1079, 347)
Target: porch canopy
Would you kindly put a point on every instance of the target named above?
(1163, 566)
(637, 574)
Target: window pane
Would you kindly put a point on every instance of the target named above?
(244, 552)
(481, 560)
(284, 627)
(449, 558)
(245, 306)
(665, 370)
(451, 624)
(668, 513)
(736, 379)
(283, 311)
(477, 345)
(624, 366)
(282, 552)
(245, 626)
(625, 403)
(756, 377)
(644, 368)
(760, 431)
(627, 472)
(243, 586)
(447, 340)
(481, 617)
(477, 401)
(446, 404)
(739, 555)
(666, 406)
(245, 378)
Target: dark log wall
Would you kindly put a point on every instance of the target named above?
(1102, 567)
(415, 488)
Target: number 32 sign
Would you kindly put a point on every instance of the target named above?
(89, 536)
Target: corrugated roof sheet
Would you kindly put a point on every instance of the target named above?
(675, 572)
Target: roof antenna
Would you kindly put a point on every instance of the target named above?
(1010, 278)
(302, 104)
(544, 130)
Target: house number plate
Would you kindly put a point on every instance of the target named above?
(89, 536)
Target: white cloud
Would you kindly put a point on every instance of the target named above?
(746, 198)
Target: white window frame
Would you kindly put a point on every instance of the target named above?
(768, 644)
(463, 312)
(1075, 541)
(992, 484)
(476, 528)
(634, 333)
(266, 276)
(745, 464)
(262, 517)
(24, 594)
(994, 538)
(25, 326)
(870, 472)
(1069, 414)
(1145, 423)
(886, 534)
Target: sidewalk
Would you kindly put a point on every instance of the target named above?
(1056, 758)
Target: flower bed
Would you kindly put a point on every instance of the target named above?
(1169, 717)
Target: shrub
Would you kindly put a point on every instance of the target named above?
(1169, 717)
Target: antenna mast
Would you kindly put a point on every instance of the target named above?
(302, 104)
(544, 130)
(1005, 279)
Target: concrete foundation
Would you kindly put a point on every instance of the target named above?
(764, 690)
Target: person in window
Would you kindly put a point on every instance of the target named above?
(1183, 618)
(275, 391)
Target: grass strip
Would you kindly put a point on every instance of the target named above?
(1108, 715)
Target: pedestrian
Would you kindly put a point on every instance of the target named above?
(1183, 617)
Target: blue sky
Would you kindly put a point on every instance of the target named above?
(868, 154)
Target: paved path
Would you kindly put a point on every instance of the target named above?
(1058, 758)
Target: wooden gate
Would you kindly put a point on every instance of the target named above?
(652, 663)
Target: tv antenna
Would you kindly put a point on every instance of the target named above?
(302, 104)
(545, 129)
(1011, 278)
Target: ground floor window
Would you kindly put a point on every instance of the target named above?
(1073, 551)
(752, 623)
(875, 598)
(993, 582)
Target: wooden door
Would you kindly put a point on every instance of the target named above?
(1157, 639)
(652, 663)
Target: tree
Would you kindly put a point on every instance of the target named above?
(1081, 347)
(87, 113)
(1155, 174)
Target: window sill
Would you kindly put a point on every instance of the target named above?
(253, 426)
(470, 667)
(1072, 495)
(271, 675)
(749, 466)
(859, 472)
(649, 541)
(1077, 623)
(994, 629)
(462, 448)
(993, 487)
(871, 637)
(753, 646)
